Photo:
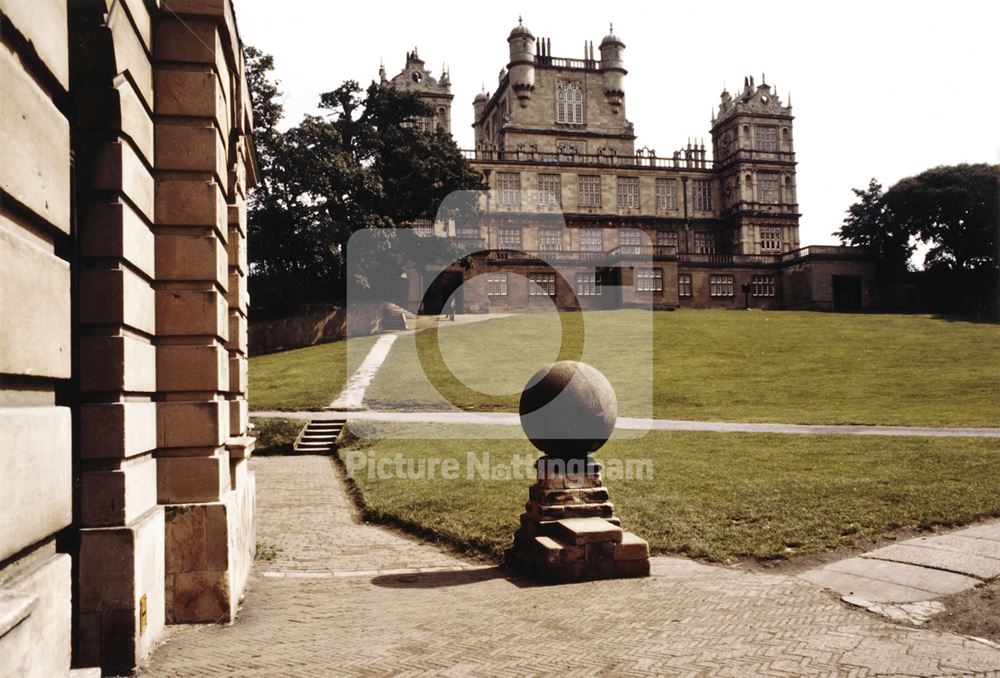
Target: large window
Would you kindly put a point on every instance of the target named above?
(549, 190)
(628, 193)
(770, 238)
(762, 285)
(496, 284)
(509, 239)
(766, 138)
(550, 240)
(590, 190)
(667, 239)
(509, 188)
(666, 194)
(423, 228)
(591, 240)
(468, 232)
(541, 284)
(569, 103)
(684, 284)
(649, 279)
(588, 284)
(704, 242)
(702, 193)
(767, 188)
(720, 285)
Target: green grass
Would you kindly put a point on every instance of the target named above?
(722, 497)
(792, 367)
(304, 378)
(275, 436)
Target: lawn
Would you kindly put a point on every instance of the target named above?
(722, 497)
(791, 367)
(304, 378)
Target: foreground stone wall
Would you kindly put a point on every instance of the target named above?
(35, 340)
(124, 168)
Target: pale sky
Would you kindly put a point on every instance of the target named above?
(884, 89)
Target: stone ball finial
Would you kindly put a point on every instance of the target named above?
(568, 409)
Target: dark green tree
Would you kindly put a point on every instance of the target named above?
(362, 164)
(869, 224)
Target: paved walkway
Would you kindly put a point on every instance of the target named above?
(639, 424)
(328, 603)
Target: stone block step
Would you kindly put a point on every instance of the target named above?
(565, 511)
(631, 547)
(579, 531)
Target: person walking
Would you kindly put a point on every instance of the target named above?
(451, 309)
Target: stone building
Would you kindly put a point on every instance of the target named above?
(436, 93)
(126, 500)
(685, 230)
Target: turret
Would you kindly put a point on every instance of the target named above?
(522, 62)
(613, 66)
(478, 104)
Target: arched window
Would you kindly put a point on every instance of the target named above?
(569, 103)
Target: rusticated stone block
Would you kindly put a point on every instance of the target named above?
(193, 93)
(192, 147)
(113, 498)
(238, 219)
(36, 467)
(197, 537)
(47, 628)
(239, 417)
(192, 368)
(236, 293)
(192, 256)
(191, 202)
(240, 447)
(117, 430)
(600, 560)
(551, 552)
(115, 230)
(116, 297)
(119, 363)
(34, 307)
(237, 332)
(119, 566)
(237, 251)
(192, 313)
(43, 23)
(238, 373)
(183, 480)
(190, 41)
(192, 424)
(118, 168)
(34, 157)
(116, 109)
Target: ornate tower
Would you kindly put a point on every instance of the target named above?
(613, 66)
(435, 93)
(522, 62)
(753, 148)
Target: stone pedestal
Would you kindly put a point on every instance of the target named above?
(568, 530)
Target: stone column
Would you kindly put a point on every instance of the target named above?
(120, 603)
(208, 493)
(35, 421)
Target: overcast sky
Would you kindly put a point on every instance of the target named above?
(883, 89)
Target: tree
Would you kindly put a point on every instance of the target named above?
(955, 212)
(362, 164)
(869, 224)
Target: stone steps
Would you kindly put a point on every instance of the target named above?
(319, 436)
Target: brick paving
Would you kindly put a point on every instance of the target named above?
(320, 607)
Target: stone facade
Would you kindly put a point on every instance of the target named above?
(125, 166)
(554, 139)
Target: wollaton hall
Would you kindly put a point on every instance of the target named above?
(555, 146)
